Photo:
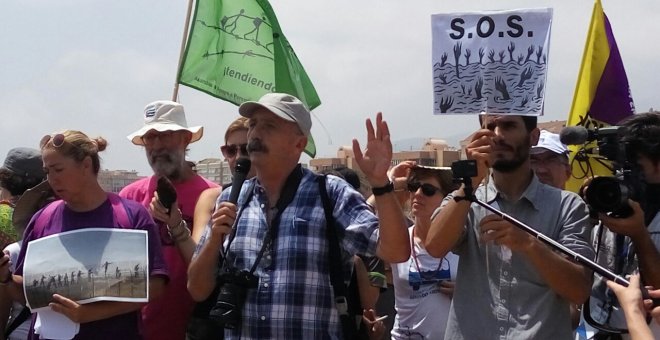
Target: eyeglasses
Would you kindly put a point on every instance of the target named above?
(57, 140)
(150, 138)
(427, 189)
(230, 150)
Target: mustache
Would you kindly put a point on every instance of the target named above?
(162, 157)
(499, 145)
(256, 145)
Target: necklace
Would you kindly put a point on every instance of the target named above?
(414, 256)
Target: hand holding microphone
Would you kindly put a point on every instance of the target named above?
(224, 216)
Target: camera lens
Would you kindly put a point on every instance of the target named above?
(227, 309)
(607, 194)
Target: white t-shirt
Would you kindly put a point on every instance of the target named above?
(20, 333)
(421, 309)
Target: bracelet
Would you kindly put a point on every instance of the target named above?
(378, 191)
(181, 236)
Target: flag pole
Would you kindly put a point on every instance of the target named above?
(175, 93)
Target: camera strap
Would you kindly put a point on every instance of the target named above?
(286, 197)
(348, 326)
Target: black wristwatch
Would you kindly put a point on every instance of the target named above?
(389, 187)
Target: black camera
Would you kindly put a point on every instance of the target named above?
(610, 194)
(233, 285)
(464, 169)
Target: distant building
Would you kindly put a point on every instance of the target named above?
(115, 180)
(214, 169)
(434, 152)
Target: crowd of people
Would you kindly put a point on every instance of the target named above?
(292, 254)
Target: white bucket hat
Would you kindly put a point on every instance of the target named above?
(165, 115)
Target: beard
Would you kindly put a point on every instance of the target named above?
(520, 155)
(166, 164)
(255, 145)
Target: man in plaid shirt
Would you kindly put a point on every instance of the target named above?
(293, 298)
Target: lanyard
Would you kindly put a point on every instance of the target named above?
(414, 255)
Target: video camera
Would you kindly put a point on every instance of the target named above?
(608, 194)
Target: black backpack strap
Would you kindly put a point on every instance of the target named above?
(349, 328)
(17, 321)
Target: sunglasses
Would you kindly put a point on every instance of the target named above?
(57, 140)
(427, 189)
(230, 150)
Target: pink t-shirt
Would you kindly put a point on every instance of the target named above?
(167, 317)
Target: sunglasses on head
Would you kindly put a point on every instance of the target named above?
(427, 189)
(57, 140)
(230, 150)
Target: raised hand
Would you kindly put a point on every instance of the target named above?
(377, 157)
(480, 149)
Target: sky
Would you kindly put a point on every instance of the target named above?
(93, 65)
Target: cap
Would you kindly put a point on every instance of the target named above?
(284, 106)
(549, 141)
(25, 162)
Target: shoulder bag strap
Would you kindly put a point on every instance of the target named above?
(349, 328)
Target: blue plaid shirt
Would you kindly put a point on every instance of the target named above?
(294, 298)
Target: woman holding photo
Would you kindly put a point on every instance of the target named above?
(72, 164)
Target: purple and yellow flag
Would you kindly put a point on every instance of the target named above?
(602, 95)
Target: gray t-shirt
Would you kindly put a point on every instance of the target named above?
(499, 294)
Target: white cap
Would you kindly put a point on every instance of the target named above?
(284, 106)
(549, 141)
(165, 115)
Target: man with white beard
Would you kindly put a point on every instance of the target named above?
(165, 137)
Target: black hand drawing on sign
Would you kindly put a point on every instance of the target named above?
(500, 86)
(539, 90)
(443, 59)
(525, 75)
(457, 56)
(501, 55)
(521, 58)
(481, 55)
(491, 56)
(468, 53)
(446, 103)
(511, 48)
(539, 53)
(524, 101)
(530, 51)
(477, 87)
(443, 78)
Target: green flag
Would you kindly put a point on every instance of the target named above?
(236, 51)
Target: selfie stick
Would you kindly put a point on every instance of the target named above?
(469, 196)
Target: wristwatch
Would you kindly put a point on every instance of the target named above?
(377, 191)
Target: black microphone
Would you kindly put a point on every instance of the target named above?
(240, 173)
(576, 135)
